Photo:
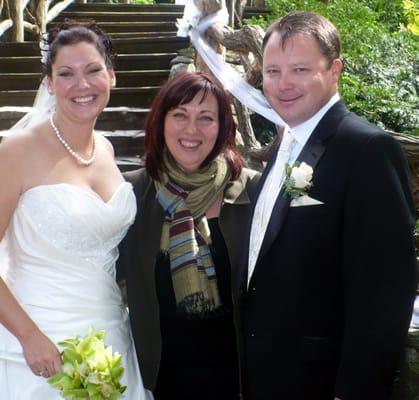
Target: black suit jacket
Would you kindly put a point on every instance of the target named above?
(329, 303)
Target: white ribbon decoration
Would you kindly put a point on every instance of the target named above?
(252, 98)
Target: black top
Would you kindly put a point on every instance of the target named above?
(199, 356)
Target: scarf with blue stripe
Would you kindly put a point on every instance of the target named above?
(186, 238)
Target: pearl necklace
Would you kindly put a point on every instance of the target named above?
(82, 161)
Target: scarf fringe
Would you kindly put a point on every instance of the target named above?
(194, 306)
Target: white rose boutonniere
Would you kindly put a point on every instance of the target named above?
(298, 179)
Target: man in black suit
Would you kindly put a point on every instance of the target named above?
(330, 277)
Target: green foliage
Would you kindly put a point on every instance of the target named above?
(381, 56)
(411, 10)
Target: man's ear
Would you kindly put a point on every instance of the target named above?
(336, 68)
(113, 77)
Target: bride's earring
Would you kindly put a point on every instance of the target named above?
(47, 83)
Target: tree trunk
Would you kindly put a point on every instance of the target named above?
(41, 12)
(16, 14)
(246, 40)
(244, 125)
(209, 7)
(238, 12)
(230, 9)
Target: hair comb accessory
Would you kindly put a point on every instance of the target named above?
(44, 46)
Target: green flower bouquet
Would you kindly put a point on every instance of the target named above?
(90, 370)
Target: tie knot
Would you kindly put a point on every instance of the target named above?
(287, 140)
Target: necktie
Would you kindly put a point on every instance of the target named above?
(267, 199)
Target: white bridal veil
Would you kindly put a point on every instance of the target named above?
(44, 102)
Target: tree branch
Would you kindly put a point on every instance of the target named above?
(5, 25)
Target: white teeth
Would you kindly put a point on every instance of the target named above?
(83, 99)
(188, 144)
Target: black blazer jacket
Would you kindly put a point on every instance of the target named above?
(329, 303)
(141, 245)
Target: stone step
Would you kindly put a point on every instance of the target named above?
(133, 96)
(100, 7)
(126, 164)
(137, 26)
(121, 35)
(125, 118)
(146, 27)
(124, 62)
(103, 7)
(112, 118)
(129, 62)
(128, 146)
(123, 16)
(31, 81)
(122, 46)
(126, 142)
(20, 81)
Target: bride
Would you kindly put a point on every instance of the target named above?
(64, 208)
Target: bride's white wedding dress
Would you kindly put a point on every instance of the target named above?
(62, 243)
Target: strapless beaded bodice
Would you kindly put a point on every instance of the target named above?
(62, 243)
(73, 221)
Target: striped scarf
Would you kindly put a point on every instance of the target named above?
(186, 237)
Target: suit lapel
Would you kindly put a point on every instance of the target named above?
(310, 154)
(243, 262)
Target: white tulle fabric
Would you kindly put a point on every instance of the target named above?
(43, 107)
(62, 243)
(44, 104)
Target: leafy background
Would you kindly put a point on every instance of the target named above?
(380, 45)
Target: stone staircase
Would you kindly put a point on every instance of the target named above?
(145, 41)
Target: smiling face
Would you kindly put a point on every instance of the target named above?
(191, 130)
(297, 78)
(80, 81)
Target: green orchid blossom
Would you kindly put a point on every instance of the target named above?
(90, 370)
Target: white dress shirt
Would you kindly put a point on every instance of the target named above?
(273, 183)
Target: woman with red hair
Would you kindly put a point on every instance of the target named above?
(179, 256)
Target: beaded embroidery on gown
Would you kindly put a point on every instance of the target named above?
(63, 243)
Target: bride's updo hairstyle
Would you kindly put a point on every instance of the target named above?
(70, 32)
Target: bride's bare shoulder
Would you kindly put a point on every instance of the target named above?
(22, 140)
(19, 146)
